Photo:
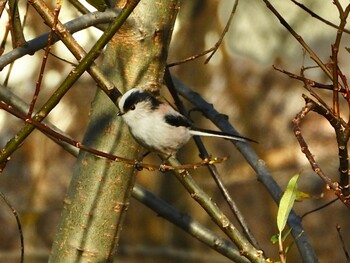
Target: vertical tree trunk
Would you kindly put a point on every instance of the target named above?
(100, 189)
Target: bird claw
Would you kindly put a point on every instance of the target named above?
(162, 168)
(138, 166)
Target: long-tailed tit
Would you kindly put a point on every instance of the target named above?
(157, 126)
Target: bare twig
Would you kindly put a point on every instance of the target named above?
(309, 82)
(4, 39)
(313, 14)
(223, 33)
(188, 224)
(2, 6)
(16, 25)
(217, 215)
(299, 39)
(74, 75)
(176, 63)
(73, 26)
(346, 253)
(319, 208)
(335, 49)
(19, 225)
(263, 174)
(45, 57)
(213, 49)
(212, 169)
(314, 106)
(159, 206)
(60, 137)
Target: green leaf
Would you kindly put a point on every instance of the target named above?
(286, 203)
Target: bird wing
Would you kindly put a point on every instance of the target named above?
(177, 120)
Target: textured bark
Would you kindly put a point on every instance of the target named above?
(98, 196)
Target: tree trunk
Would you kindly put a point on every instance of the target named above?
(100, 189)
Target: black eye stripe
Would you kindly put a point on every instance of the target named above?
(139, 96)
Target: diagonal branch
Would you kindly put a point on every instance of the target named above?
(16, 25)
(188, 224)
(217, 215)
(159, 206)
(313, 14)
(263, 174)
(299, 39)
(78, 52)
(85, 63)
(212, 168)
(73, 26)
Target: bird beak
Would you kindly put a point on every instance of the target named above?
(120, 113)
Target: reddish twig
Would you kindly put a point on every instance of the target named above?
(309, 82)
(343, 14)
(313, 106)
(45, 57)
(190, 58)
(139, 165)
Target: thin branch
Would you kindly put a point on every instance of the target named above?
(346, 253)
(309, 82)
(17, 31)
(58, 137)
(223, 33)
(79, 6)
(263, 174)
(159, 206)
(342, 137)
(19, 225)
(313, 14)
(312, 54)
(73, 26)
(187, 223)
(74, 75)
(216, 214)
(2, 6)
(44, 60)
(176, 63)
(319, 208)
(313, 106)
(50, 19)
(212, 169)
(335, 49)
(4, 38)
(213, 49)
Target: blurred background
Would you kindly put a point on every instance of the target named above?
(241, 83)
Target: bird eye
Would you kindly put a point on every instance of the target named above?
(132, 107)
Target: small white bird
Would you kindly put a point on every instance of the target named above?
(157, 126)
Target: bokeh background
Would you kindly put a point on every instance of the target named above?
(241, 83)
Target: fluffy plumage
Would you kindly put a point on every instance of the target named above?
(157, 126)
